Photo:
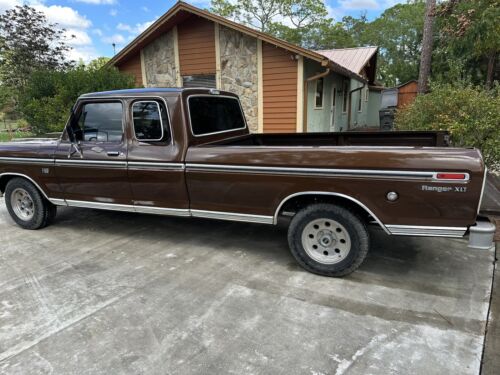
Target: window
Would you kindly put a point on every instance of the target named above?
(345, 91)
(99, 122)
(367, 94)
(334, 96)
(150, 121)
(360, 104)
(319, 93)
(215, 114)
(199, 80)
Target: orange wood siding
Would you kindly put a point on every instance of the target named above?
(279, 90)
(407, 94)
(133, 66)
(196, 46)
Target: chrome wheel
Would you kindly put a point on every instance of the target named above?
(22, 204)
(326, 241)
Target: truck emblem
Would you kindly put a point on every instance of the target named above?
(445, 189)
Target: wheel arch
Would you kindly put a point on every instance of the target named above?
(7, 176)
(304, 195)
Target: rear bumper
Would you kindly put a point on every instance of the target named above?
(481, 235)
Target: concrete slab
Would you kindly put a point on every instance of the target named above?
(117, 293)
(491, 358)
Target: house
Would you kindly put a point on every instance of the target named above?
(283, 87)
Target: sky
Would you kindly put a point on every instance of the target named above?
(97, 24)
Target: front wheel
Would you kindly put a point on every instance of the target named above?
(328, 240)
(27, 206)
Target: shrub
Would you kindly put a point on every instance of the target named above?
(471, 115)
(47, 99)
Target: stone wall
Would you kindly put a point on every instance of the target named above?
(159, 62)
(238, 55)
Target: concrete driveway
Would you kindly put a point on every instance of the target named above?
(118, 293)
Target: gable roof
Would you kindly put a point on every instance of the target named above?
(353, 59)
(181, 11)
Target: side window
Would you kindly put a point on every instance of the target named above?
(318, 102)
(150, 121)
(100, 122)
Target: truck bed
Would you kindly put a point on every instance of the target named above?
(365, 138)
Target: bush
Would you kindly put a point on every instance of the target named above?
(471, 115)
(47, 99)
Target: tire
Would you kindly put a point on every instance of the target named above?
(328, 240)
(27, 206)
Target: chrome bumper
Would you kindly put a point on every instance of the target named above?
(481, 235)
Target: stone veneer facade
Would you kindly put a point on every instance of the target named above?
(238, 64)
(159, 62)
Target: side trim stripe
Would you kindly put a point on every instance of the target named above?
(319, 171)
(429, 231)
(233, 216)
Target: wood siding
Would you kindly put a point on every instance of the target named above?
(196, 38)
(133, 66)
(407, 93)
(279, 81)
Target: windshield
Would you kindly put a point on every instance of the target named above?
(215, 114)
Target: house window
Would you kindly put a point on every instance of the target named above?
(318, 103)
(334, 96)
(205, 80)
(367, 94)
(360, 101)
(345, 91)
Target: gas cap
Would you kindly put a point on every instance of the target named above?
(392, 196)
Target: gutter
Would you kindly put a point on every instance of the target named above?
(306, 90)
(349, 111)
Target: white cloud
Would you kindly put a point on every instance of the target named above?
(77, 38)
(97, 32)
(115, 38)
(136, 29)
(113, 12)
(97, 2)
(7, 4)
(64, 16)
(145, 9)
(359, 4)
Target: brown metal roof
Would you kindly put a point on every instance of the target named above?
(181, 11)
(353, 59)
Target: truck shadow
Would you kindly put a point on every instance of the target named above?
(410, 263)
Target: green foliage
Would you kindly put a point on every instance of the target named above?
(5, 137)
(470, 113)
(28, 42)
(49, 95)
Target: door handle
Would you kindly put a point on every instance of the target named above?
(113, 153)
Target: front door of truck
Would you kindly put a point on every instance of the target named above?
(91, 159)
(155, 166)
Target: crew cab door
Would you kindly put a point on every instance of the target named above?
(92, 170)
(155, 160)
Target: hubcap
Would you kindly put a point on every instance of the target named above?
(326, 241)
(22, 204)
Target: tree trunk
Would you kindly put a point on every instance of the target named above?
(425, 58)
(491, 70)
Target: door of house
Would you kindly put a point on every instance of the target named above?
(332, 108)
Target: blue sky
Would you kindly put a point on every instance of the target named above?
(96, 24)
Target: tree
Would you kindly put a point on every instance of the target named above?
(469, 33)
(426, 56)
(98, 63)
(28, 42)
(49, 95)
(258, 14)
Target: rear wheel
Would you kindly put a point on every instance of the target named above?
(27, 206)
(328, 240)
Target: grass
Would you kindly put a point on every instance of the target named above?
(5, 136)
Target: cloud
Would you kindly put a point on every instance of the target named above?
(77, 37)
(64, 16)
(97, 32)
(7, 4)
(97, 2)
(359, 4)
(115, 38)
(113, 12)
(136, 29)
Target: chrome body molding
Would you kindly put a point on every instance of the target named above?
(232, 216)
(90, 163)
(482, 189)
(162, 211)
(36, 161)
(137, 165)
(379, 173)
(278, 210)
(426, 231)
(58, 202)
(128, 208)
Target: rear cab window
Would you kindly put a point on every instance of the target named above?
(215, 114)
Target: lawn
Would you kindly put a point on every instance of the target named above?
(5, 136)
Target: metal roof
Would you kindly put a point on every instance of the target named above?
(353, 59)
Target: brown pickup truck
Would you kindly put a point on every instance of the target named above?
(188, 152)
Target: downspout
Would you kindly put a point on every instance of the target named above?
(349, 111)
(306, 89)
